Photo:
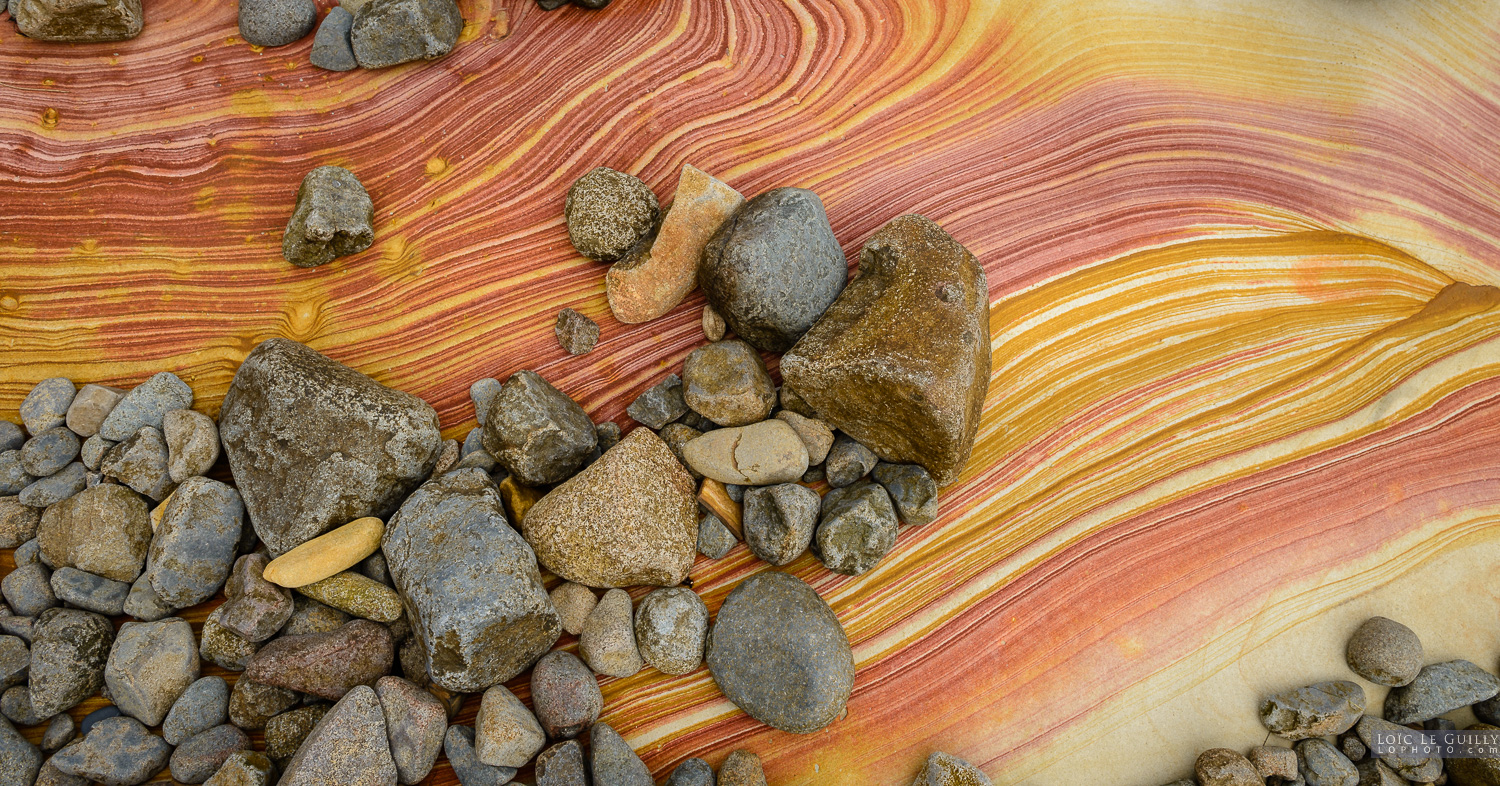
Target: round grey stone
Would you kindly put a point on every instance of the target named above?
(49, 451)
(692, 772)
(93, 450)
(671, 624)
(331, 50)
(779, 653)
(150, 665)
(276, 22)
(194, 546)
(28, 590)
(11, 436)
(660, 404)
(613, 761)
(608, 212)
(60, 731)
(1385, 652)
(1321, 764)
(204, 705)
(779, 521)
(13, 478)
(46, 406)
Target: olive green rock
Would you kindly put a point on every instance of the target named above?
(1475, 771)
(901, 360)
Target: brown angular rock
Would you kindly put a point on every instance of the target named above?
(314, 444)
(576, 333)
(1224, 767)
(78, 21)
(105, 530)
(627, 519)
(325, 664)
(256, 609)
(901, 360)
(645, 286)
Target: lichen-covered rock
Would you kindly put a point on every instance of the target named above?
(742, 768)
(224, 647)
(608, 212)
(194, 546)
(325, 664)
(117, 751)
(147, 404)
(348, 747)
(276, 22)
(779, 521)
(358, 595)
(390, 32)
(69, 648)
(314, 444)
(779, 653)
(78, 22)
(149, 666)
(334, 216)
(286, 731)
(671, 624)
(576, 333)
(629, 518)
(773, 267)
(253, 704)
(18, 523)
(192, 443)
(140, 462)
(469, 582)
(536, 432)
(901, 361)
(857, 529)
(310, 616)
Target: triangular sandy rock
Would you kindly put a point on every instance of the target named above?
(348, 747)
(901, 360)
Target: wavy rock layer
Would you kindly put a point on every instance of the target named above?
(1240, 397)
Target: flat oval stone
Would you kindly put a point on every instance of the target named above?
(325, 664)
(192, 443)
(90, 592)
(1385, 652)
(149, 666)
(760, 454)
(55, 488)
(901, 361)
(779, 653)
(1317, 710)
(194, 546)
(204, 705)
(69, 648)
(49, 451)
(333, 551)
(356, 594)
(565, 694)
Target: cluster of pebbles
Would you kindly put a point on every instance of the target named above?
(376, 574)
(356, 33)
(1331, 734)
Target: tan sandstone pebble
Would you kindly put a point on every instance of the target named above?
(506, 734)
(756, 455)
(518, 499)
(90, 407)
(816, 436)
(192, 443)
(607, 643)
(1224, 767)
(356, 594)
(1385, 652)
(332, 552)
(647, 285)
(727, 383)
(573, 602)
(741, 768)
(627, 519)
(713, 324)
(1274, 762)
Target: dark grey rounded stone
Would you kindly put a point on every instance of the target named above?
(107, 711)
(565, 694)
(195, 541)
(15, 659)
(201, 755)
(55, 488)
(28, 589)
(49, 451)
(276, 22)
(608, 212)
(334, 216)
(87, 591)
(13, 478)
(204, 705)
(141, 462)
(714, 538)
(1439, 689)
(773, 268)
(670, 626)
(661, 404)
(848, 461)
(117, 752)
(68, 651)
(331, 49)
(389, 32)
(93, 450)
(912, 490)
(779, 521)
(1323, 709)
(692, 772)
(60, 731)
(536, 432)
(779, 653)
(142, 602)
(857, 529)
(15, 705)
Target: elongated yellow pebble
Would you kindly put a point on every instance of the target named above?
(327, 554)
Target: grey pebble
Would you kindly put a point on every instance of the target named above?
(150, 665)
(607, 643)
(1422, 769)
(60, 731)
(376, 568)
(107, 711)
(565, 695)
(55, 488)
(200, 756)
(331, 49)
(15, 659)
(22, 760)
(15, 705)
(1317, 710)
(814, 474)
(12, 437)
(143, 603)
(562, 765)
(18, 522)
(27, 553)
(140, 462)
(93, 450)
(87, 591)
(255, 609)
(848, 461)
(13, 478)
(780, 654)
(576, 333)
(49, 451)
(276, 22)
(105, 530)
(46, 406)
(613, 762)
(28, 590)
(192, 443)
(692, 772)
(779, 521)
(608, 212)
(146, 405)
(193, 549)
(857, 529)
(52, 776)
(90, 407)
(482, 393)
(671, 624)
(1321, 764)
(736, 493)
(661, 404)
(609, 434)
(458, 746)
(473, 441)
(390, 32)
(204, 705)
(1439, 688)
(1384, 652)
(714, 538)
(773, 268)
(912, 490)
(20, 627)
(223, 647)
(117, 752)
